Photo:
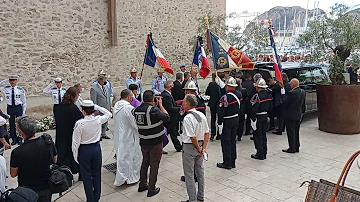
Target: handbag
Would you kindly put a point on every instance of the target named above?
(325, 191)
(61, 177)
(20, 194)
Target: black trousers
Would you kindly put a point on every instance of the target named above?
(247, 124)
(151, 158)
(44, 196)
(214, 131)
(14, 112)
(228, 141)
(240, 130)
(292, 130)
(275, 112)
(56, 107)
(260, 139)
(173, 132)
(90, 161)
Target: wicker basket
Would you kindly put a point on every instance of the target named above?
(325, 191)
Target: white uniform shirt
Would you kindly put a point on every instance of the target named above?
(20, 97)
(52, 90)
(2, 121)
(88, 130)
(193, 128)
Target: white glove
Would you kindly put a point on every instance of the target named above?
(253, 124)
(220, 128)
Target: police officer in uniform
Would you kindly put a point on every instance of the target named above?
(228, 116)
(16, 104)
(261, 103)
(158, 82)
(150, 121)
(57, 92)
(133, 79)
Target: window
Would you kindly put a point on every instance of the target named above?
(304, 76)
(319, 75)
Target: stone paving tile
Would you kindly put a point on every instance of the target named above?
(322, 156)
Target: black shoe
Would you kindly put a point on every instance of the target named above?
(251, 138)
(222, 165)
(107, 129)
(277, 133)
(141, 189)
(211, 138)
(105, 137)
(178, 149)
(218, 137)
(270, 129)
(164, 152)
(239, 139)
(246, 134)
(288, 151)
(297, 150)
(255, 156)
(153, 192)
(233, 166)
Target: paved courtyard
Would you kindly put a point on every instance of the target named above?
(277, 178)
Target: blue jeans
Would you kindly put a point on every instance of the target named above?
(90, 162)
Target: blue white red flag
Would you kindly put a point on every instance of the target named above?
(154, 58)
(277, 62)
(200, 58)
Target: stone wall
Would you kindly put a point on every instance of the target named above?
(43, 39)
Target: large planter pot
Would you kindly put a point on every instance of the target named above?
(339, 108)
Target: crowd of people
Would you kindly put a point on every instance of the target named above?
(143, 119)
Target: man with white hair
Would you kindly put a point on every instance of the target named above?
(195, 139)
(261, 105)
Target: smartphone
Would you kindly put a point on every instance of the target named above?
(205, 156)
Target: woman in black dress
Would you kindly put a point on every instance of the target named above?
(67, 115)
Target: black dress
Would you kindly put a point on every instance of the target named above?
(67, 115)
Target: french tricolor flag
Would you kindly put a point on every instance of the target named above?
(277, 62)
(200, 58)
(154, 58)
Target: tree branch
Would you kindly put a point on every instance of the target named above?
(323, 36)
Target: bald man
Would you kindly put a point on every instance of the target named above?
(294, 106)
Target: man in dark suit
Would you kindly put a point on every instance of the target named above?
(248, 84)
(213, 90)
(186, 79)
(177, 91)
(170, 106)
(294, 106)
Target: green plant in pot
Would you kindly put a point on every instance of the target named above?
(335, 35)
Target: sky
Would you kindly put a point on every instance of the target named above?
(265, 5)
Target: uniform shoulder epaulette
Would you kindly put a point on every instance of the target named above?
(20, 88)
(7, 86)
(63, 88)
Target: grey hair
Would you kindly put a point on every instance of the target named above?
(191, 99)
(125, 93)
(179, 76)
(167, 83)
(238, 81)
(257, 76)
(27, 125)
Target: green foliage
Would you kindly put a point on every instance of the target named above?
(337, 33)
(254, 38)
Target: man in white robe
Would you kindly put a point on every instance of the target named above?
(126, 141)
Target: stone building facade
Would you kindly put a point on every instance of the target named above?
(43, 39)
